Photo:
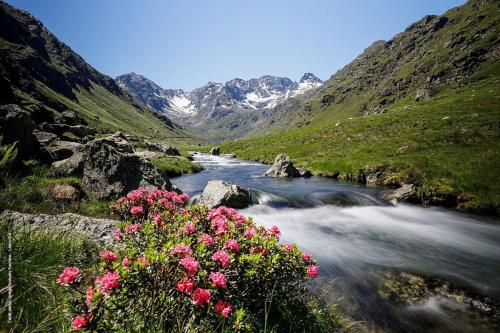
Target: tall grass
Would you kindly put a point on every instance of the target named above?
(38, 303)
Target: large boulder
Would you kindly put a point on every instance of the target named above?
(214, 151)
(59, 129)
(218, 193)
(16, 125)
(109, 168)
(44, 138)
(283, 167)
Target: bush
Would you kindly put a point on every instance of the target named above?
(186, 267)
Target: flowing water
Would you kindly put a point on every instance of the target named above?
(356, 236)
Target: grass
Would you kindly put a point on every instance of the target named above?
(173, 166)
(39, 304)
(31, 194)
(454, 136)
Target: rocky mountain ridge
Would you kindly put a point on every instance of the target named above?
(213, 103)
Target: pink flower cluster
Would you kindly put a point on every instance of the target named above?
(201, 296)
(222, 257)
(108, 256)
(207, 239)
(68, 276)
(223, 307)
(108, 281)
(219, 279)
(181, 250)
(186, 285)
(232, 245)
(190, 265)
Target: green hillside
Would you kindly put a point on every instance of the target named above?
(46, 77)
(425, 106)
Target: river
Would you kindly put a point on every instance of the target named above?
(356, 236)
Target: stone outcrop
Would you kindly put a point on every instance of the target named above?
(100, 230)
(109, 168)
(214, 151)
(60, 150)
(218, 193)
(16, 125)
(283, 167)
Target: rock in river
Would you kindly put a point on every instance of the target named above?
(283, 167)
(218, 193)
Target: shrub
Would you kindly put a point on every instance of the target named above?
(184, 266)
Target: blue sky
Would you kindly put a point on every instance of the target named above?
(186, 43)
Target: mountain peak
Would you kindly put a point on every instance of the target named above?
(310, 77)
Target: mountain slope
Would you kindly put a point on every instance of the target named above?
(47, 77)
(219, 110)
(423, 106)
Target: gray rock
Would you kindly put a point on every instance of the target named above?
(406, 193)
(61, 150)
(305, 173)
(218, 193)
(283, 167)
(162, 147)
(65, 193)
(44, 138)
(214, 151)
(109, 173)
(109, 168)
(59, 129)
(100, 230)
(16, 126)
(375, 178)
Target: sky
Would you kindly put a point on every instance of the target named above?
(186, 43)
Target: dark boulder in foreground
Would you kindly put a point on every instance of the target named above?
(16, 126)
(218, 193)
(283, 167)
(214, 151)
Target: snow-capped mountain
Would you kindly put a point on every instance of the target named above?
(224, 106)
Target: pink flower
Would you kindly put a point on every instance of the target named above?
(89, 295)
(306, 256)
(137, 210)
(189, 264)
(133, 228)
(118, 234)
(275, 231)
(79, 322)
(249, 233)
(288, 247)
(186, 285)
(312, 271)
(207, 239)
(219, 223)
(125, 262)
(158, 219)
(143, 261)
(189, 228)
(108, 281)
(223, 307)
(222, 257)
(232, 245)
(181, 250)
(108, 256)
(201, 296)
(219, 279)
(68, 276)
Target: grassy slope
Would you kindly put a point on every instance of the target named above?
(453, 135)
